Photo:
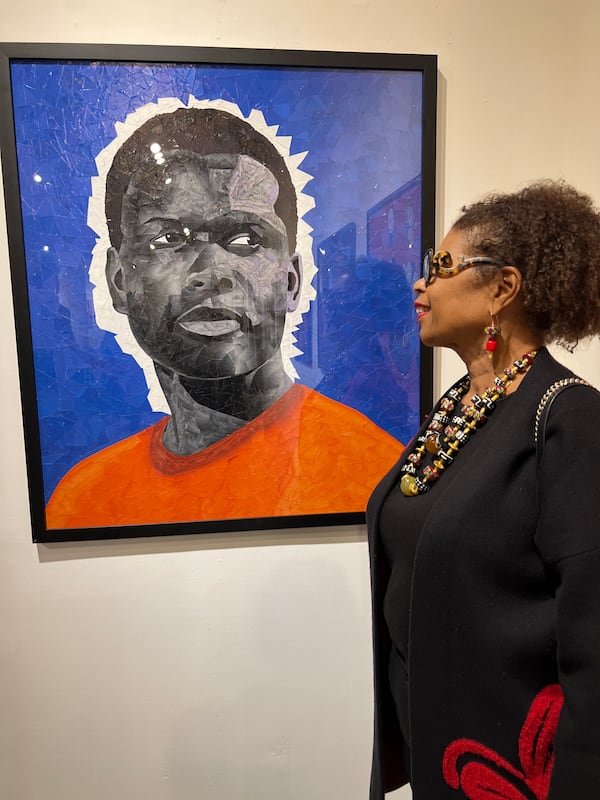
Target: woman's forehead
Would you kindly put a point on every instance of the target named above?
(455, 242)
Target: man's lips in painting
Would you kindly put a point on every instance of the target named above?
(206, 320)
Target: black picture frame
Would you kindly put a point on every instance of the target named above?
(32, 114)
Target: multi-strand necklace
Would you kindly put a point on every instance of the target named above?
(448, 431)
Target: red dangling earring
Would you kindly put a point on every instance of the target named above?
(491, 332)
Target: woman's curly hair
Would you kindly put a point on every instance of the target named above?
(551, 232)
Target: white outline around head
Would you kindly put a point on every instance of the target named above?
(110, 320)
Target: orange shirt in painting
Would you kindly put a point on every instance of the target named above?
(306, 454)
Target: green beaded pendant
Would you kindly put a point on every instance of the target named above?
(408, 485)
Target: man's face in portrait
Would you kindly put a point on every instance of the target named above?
(204, 272)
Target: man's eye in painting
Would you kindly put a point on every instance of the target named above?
(171, 238)
(244, 242)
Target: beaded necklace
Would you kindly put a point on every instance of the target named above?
(448, 432)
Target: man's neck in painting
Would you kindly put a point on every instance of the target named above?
(205, 411)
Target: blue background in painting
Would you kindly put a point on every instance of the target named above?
(362, 131)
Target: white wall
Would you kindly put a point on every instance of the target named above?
(235, 667)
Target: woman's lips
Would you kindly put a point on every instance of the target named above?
(421, 311)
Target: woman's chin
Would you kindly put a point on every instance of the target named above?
(428, 341)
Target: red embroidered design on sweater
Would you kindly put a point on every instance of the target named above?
(483, 774)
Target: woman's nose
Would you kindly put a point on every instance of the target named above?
(419, 285)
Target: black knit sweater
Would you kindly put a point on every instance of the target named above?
(504, 612)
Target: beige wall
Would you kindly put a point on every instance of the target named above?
(236, 667)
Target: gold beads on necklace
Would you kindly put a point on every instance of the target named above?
(446, 433)
(432, 443)
(408, 485)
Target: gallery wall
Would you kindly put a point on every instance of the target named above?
(237, 666)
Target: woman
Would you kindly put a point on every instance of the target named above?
(486, 564)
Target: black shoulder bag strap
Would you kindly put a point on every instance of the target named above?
(541, 415)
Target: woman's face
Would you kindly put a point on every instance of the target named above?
(452, 312)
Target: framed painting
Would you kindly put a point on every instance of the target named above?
(212, 254)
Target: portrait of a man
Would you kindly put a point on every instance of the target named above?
(202, 265)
